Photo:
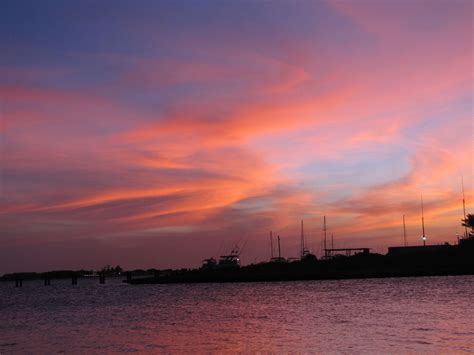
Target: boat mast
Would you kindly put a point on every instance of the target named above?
(302, 240)
(271, 245)
(279, 250)
(332, 240)
(464, 205)
(423, 236)
(404, 232)
(325, 239)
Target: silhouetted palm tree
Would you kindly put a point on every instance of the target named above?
(469, 222)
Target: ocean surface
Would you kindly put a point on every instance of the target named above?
(398, 315)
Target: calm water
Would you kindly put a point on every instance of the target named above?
(433, 314)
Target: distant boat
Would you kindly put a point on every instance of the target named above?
(231, 260)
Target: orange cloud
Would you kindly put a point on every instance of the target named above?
(237, 141)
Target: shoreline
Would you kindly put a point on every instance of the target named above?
(236, 278)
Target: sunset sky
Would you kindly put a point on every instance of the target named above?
(160, 133)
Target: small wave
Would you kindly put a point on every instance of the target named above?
(342, 321)
(463, 333)
(422, 342)
(7, 344)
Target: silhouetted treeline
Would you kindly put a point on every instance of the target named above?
(402, 262)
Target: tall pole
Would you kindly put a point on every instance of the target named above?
(332, 240)
(302, 240)
(279, 250)
(404, 232)
(423, 223)
(271, 245)
(463, 205)
(325, 238)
